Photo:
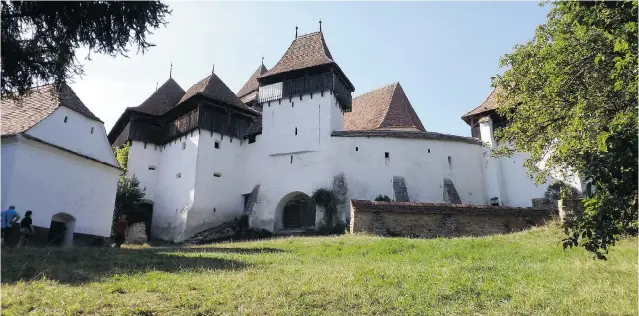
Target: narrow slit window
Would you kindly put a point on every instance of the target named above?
(291, 158)
(386, 155)
(66, 118)
(217, 145)
(296, 131)
(356, 148)
(450, 162)
(151, 167)
(91, 130)
(217, 174)
(429, 150)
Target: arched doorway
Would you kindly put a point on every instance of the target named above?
(61, 230)
(297, 211)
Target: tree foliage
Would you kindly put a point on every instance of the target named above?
(128, 197)
(39, 38)
(570, 97)
(560, 190)
(122, 155)
(383, 198)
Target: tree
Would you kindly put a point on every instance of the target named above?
(122, 155)
(128, 197)
(39, 38)
(570, 97)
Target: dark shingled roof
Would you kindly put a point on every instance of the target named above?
(385, 108)
(488, 105)
(306, 51)
(438, 208)
(249, 90)
(407, 134)
(213, 87)
(255, 128)
(163, 99)
(19, 115)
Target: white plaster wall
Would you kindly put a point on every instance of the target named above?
(313, 118)
(7, 155)
(49, 181)
(217, 199)
(174, 196)
(140, 158)
(75, 134)
(368, 173)
(519, 188)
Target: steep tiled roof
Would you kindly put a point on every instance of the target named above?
(251, 86)
(384, 108)
(306, 51)
(18, 115)
(407, 134)
(214, 88)
(438, 208)
(163, 99)
(488, 105)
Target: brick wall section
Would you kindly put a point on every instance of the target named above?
(430, 220)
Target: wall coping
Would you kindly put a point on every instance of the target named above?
(444, 208)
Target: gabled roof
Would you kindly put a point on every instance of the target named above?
(163, 99)
(251, 86)
(306, 51)
(19, 115)
(488, 105)
(213, 87)
(384, 108)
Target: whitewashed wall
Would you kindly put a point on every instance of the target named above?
(174, 196)
(139, 161)
(217, 199)
(7, 158)
(75, 134)
(49, 181)
(423, 163)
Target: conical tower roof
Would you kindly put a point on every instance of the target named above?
(163, 99)
(213, 87)
(384, 108)
(249, 90)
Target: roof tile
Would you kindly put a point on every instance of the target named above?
(163, 99)
(306, 51)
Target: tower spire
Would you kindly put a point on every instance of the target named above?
(213, 69)
(171, 71)
(295, 31)
(156, 85)
(320, 25)
(262, 60)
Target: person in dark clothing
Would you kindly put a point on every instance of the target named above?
(26, 229)
(120, 231)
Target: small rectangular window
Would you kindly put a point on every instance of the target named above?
(429, 150)
(291, 158)
(91, 130)
(296, 131)
(450, 162)
(66, 118)
(251, 139)
(144, 145)
(178, 175)
(183, 145)
(217, 145)
(356, 148)
(387, 155)
(217, 174)
(151, 167)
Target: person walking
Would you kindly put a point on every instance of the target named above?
(26, 229)
(9, 217)
(120, 231)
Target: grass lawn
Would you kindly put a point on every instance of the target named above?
(520, 274)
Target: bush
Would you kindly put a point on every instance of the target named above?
(383, 198)
(128, 197)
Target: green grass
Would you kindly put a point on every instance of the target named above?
(520, 274)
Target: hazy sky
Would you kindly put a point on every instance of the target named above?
(442, 53)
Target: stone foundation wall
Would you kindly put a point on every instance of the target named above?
(430, 220)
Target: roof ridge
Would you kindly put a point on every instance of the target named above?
(308, 34)
(390, 103)
(374, 90)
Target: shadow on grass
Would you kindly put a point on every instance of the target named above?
(82, 265)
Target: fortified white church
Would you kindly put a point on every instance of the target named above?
(207, 155)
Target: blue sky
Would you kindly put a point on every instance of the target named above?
(442, 53)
